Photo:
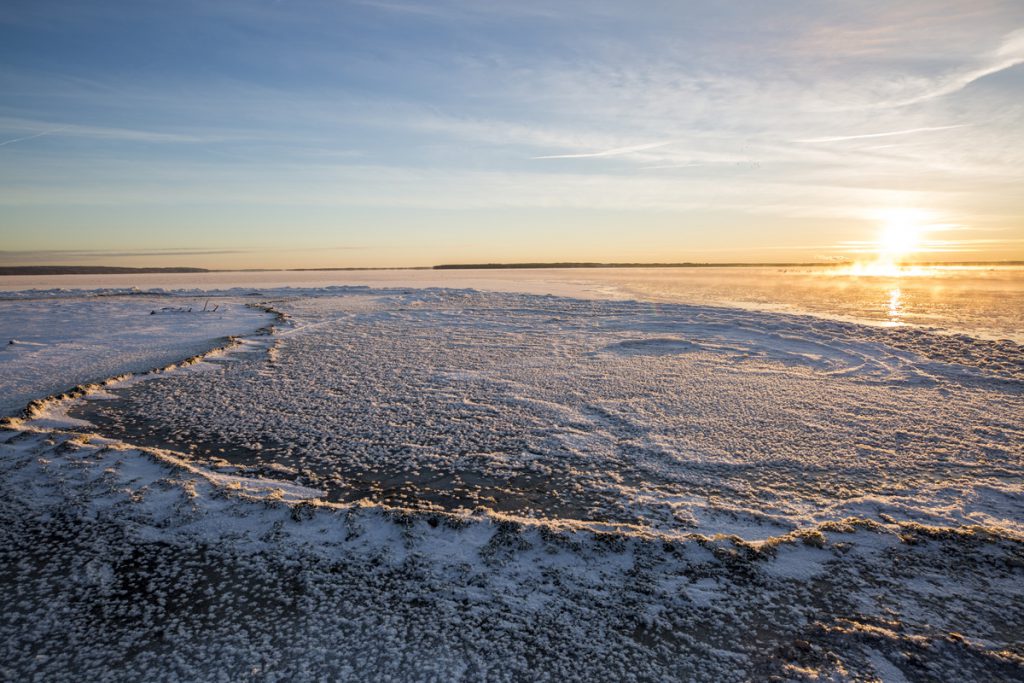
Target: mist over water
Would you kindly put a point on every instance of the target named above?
(983, 301)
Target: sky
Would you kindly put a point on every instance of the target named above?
(308, 133)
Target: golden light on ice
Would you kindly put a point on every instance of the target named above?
(895, 304)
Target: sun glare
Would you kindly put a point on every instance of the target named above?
(900, 235)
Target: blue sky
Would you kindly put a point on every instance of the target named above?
(261, 134)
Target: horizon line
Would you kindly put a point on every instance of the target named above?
(43, 270)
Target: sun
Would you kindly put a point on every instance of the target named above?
(898, 240)
(900, 235)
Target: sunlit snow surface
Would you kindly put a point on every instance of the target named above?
(506, 486)
(51, 343)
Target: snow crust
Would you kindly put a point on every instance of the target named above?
(611, 413)
(453, 485)
(127, 564)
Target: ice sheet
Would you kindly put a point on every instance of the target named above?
(54, 344)
(453, 484)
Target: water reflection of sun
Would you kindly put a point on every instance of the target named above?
(895, 312)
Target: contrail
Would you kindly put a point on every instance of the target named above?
(1009, 54)
(32, 137)
(608, 152)
(908, 131)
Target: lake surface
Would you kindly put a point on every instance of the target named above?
(983, 301)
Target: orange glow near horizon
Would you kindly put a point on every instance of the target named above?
(900, 237)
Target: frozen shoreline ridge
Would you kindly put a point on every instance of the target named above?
(520, 486)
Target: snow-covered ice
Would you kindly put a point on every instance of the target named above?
(49, 342)
(678, 418)
(458, 485)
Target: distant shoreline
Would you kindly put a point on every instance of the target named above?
(513, 266)
(119, 270)
(587, 264)
(92, 270)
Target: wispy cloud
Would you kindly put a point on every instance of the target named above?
(11, 141)
(618, 151)
(97, 132)
(1009, 54)
(724, 118)
(906, 131)
(949, 246)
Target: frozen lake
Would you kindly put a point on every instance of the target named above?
(671, 475)
(985, 301)
(675, 418)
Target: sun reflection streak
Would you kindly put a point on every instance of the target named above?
(895, 305)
